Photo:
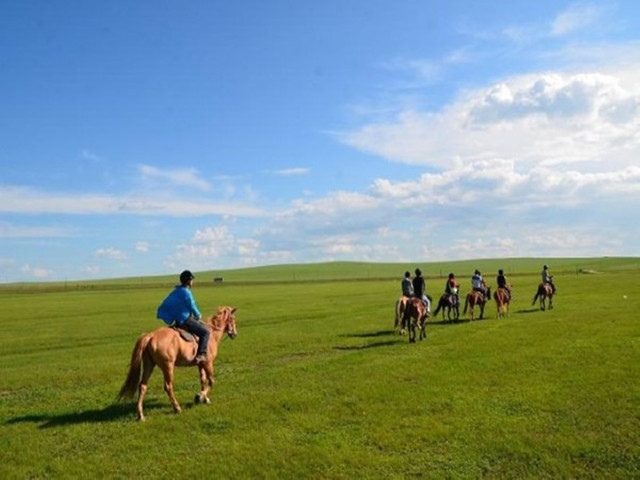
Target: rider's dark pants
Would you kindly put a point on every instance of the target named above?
(197, 328)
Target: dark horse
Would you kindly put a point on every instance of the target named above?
(166, 348)
(415, 316)
(449, 304)
(476, 298)
(544, 291)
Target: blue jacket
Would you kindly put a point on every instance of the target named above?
(178, 306)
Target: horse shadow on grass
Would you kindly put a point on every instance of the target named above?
(379, 333)
(366, 346)
(529, 310)
(111, 413)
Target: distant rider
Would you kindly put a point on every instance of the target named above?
(477, 283)
(547, 278)
(451, 289)
(419, 289)
(501, 280)
(179, 308)
(407, 285)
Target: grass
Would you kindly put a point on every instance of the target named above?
(318, 386)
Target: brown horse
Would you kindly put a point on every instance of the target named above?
(167, 349)
(476, 298)
(544, 291)
(502, 298)
(401, 305)
(415, 315)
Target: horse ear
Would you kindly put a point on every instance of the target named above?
(233, 310)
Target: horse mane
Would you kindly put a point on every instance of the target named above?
(216, 320)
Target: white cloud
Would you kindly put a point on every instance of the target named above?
(577, 17)
(36, 272)
(9, 230)
(183, 177)
(111, 254)
(292, 172)
(26, 200)
(210, 244)
(142, 247)
(546, 119)
(91, 270)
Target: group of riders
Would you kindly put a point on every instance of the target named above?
(416, 287)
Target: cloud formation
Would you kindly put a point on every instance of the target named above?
(534, 120)
(182, 177)
(27, 200)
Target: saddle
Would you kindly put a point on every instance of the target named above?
(186, 336)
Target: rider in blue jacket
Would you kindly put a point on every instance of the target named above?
(180, 308)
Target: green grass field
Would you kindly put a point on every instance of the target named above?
(317, 384)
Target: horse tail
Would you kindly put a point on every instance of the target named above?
(435, 314)
(132, 382)
(536, 297)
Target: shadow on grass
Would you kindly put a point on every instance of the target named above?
(529, 310)
(116, 411)
(368, 345)
(380, 333)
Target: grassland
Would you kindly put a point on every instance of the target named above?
(317, 385)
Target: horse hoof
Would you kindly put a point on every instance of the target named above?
(197, 399)
(207, 401)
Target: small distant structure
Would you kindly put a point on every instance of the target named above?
(217, 279)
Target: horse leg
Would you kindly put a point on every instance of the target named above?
(147, 369)
(423, 328)
(167, 370)
(206, 383)
(412, 331)
(404, 324)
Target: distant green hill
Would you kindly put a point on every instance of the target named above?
(463, 268)
(309, 272)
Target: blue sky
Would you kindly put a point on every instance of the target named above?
(142, 138)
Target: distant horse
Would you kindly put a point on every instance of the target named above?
(544, 291)
(401, 305)
(415, 316)
(502, 298)
(166, 348)
(449, 304)
(476, 298)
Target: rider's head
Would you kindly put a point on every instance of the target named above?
(407, 274)
(418, 272)
(477, 272)
(451, 275)
(500, 272)
(186, 277)
(545, 267)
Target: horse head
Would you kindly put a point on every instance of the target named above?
(225, 320)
